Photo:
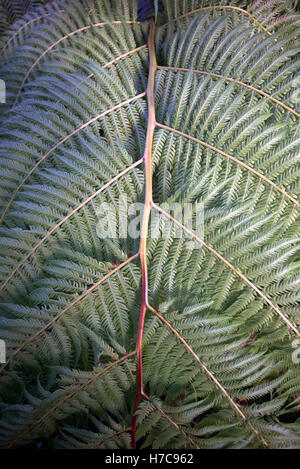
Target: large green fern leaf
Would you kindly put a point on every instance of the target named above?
(201, 351)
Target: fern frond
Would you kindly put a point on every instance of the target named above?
(181, 331)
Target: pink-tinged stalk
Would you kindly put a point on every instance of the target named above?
(145, 222)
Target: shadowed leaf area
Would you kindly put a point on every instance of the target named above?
(215, 361)
(145, 9)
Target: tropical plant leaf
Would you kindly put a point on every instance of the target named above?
(172, 338)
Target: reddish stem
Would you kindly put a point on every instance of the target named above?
(145, 222)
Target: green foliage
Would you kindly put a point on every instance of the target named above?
(67, 387)
(12, 10)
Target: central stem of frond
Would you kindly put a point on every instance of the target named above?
(146, 217)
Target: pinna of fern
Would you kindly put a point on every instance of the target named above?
(199, 109)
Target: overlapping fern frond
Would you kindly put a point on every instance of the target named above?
(218, 343)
